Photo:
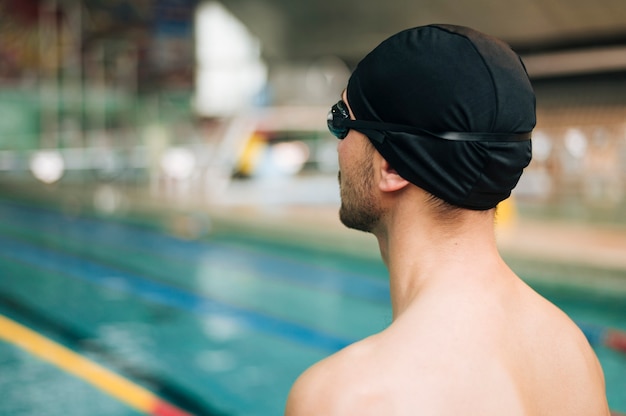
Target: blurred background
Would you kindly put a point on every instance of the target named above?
(168, 193)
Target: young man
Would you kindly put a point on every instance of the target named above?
(435, 126)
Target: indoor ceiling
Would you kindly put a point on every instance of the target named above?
(309, 29)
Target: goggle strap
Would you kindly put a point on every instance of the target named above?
(373, 126)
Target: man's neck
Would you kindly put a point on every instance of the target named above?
(425, 254)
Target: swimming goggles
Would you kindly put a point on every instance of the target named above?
(339, 124)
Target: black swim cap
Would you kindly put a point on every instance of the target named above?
(444, 78)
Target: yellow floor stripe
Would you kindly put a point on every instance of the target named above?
(122, 389)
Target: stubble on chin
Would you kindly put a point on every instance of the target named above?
(358, 210)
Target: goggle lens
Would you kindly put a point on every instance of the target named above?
(336, 116)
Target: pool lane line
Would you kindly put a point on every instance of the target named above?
(164, 294)
(283, 271)
(615, 339)
(609, 337)
(139, 239)
(178, 298)
(107, 381)
(100, 377)
(77, 339)
(600, 335)
(597, 335)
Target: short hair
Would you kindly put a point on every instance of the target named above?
(444, 210)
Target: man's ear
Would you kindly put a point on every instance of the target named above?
(390, 180)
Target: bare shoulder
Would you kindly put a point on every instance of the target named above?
(528, 359)
(343, 383)
(563, 371)
(381, 375)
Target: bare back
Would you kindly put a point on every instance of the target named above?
(513, 354)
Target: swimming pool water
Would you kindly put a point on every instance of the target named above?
(222, 325)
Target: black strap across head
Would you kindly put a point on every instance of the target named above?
(375, 131)
(339, 123)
